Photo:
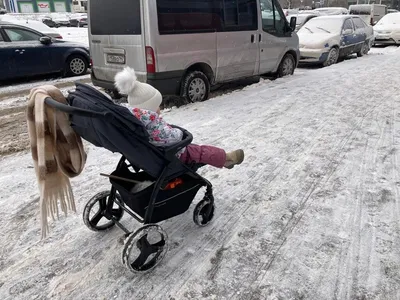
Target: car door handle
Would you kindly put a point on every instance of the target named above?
(20, 51)
(252, 38)
(259, 37)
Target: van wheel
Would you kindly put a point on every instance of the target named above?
(287, 66)
(76, 65)
(195, 87)
(364, 50)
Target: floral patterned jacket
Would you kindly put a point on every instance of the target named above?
(161, 133)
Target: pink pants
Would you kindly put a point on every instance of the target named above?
(209, 155)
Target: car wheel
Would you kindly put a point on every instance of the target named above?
(287, 66)
(364, 50)
(76, 65)
(195, 87)
(332, 58)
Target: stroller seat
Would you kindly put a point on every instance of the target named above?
(168, 187)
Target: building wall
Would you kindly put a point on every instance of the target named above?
(32, 6)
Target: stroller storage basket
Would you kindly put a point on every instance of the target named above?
(169, 202)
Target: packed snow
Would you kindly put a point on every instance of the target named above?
(313, 212)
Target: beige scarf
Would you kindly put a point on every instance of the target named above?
(57, 152)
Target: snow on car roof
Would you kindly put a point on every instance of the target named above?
(393, 18)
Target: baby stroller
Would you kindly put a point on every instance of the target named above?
(173, 184)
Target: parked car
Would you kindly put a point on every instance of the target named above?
(387, 30)
(38, 26)
(301, 19)
(391, 11)
(370, 13)
(181, 47)
(329, 11)
(26, 52)
(56, 20)
(325, 39)
(3, 11)
(78, 20)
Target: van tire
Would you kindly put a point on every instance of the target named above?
(195, 87)
(287, 66)
(76, 65)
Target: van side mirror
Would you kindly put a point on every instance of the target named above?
(45, 40)
(293, 21)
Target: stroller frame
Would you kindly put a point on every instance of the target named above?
(202, 215)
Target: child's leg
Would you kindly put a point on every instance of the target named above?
(209, 155)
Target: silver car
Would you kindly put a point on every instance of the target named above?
(182, 47)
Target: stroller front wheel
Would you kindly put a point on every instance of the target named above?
(94, 214)
(203, 213)
(145, 248)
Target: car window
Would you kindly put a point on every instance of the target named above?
(273, 20)
(348, 24)
(358, 23)
(1, 38)
(21, 35)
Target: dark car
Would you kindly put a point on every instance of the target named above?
(27, 52)
(78, 20)
(49, 22)
(56, 21)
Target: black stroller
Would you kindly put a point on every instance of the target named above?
(173, 185)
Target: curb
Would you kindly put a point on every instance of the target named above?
(25, 91)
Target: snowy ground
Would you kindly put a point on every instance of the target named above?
(313, 212)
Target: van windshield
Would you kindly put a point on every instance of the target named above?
(360, 10)
(122, 17)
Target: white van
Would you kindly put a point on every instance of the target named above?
(182, 47)
(370, 13)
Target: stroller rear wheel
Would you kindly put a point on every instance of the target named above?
(145, 248)
(94, 214)
(203, 213)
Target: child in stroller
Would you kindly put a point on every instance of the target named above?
(144, 102)
(163, 156)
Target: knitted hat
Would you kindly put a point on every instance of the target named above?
(140, 95)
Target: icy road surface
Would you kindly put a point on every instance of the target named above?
(313, 212)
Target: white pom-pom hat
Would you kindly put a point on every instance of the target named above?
(140, 95)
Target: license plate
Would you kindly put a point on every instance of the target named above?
(116, 58)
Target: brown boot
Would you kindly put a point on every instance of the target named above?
(234, 158)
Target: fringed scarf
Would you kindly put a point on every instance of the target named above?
(57, 152)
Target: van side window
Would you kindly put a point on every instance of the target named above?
(240, 15)
(189, 16)
(273, 20)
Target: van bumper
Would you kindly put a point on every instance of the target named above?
(168, 83)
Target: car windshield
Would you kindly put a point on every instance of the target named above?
(323, 24)
(390, 19)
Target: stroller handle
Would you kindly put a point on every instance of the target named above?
(76, 111)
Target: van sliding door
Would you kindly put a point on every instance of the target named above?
(237, 42)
